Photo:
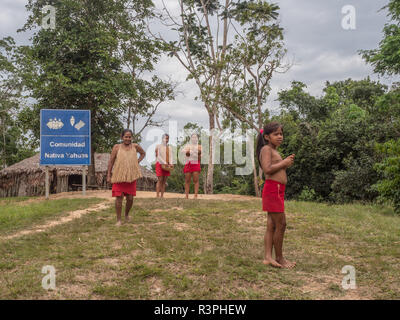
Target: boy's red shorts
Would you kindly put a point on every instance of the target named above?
(160, 172)
(120, 188)
(192, 167)
(273, 196)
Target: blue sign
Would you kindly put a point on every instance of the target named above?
(64, 137)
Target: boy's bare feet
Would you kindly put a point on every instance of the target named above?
(118, 223)
(272, 262)
(127, 218)
(286, 263)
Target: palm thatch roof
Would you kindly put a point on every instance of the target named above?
(31, 165)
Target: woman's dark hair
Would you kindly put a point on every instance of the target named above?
(261, 142)
(165, 135)
(125, 131)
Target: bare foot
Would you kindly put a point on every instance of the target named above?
(272, 262)
(286, 263)
(127, 218)
(118, 224)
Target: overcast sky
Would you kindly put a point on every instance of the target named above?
(321, 48)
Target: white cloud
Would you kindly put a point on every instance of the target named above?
(313, 35)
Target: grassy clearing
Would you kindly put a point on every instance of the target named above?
(202, 249)
(19, 213)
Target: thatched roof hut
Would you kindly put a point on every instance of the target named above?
(27, 178)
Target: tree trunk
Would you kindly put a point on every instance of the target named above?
(133, 124)
(209, 185)
(4, 143)
(128, 121)
(255, 176)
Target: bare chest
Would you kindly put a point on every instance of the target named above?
(275, 157)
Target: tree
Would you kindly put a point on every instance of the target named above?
(386, 59)
(14, 146)
(389, 168)
(150, 95)
(80, 64)
(335, 147)
(204, 29)
(256, 55)
(139, 54)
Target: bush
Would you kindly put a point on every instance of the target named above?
(355, 182)
(389, 169)
(308, 194)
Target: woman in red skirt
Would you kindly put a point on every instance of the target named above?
(124, 165)
(192, 167)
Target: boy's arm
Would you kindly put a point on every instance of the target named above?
(266, 162)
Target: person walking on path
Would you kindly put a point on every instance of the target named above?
(123, 171)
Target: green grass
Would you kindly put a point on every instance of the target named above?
(18, 213)
(207, 250)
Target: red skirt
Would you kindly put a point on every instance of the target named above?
(160, 172)
(273, 196)
(192, 167)
(121, 188)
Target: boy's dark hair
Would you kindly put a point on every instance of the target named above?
(197, 136)
(261, 142)
(125, 131)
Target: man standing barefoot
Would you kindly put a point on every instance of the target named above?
(163, 158)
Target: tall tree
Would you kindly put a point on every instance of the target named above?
(257, 54)
(204, 36)
(386, 58)
(13, 143)
(78, 64)
(386, 61)
(139, 54)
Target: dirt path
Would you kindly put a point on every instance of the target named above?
(106, 194)
(109, 201)
(52, 223)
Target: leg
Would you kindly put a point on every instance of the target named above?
(280, 222)
(118, 208)
(158, 186)
(162, 188)
(128, 206)
(188, 177)
(268, 242)
(196, 183)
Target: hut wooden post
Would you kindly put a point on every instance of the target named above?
(47, 182)
(83, 180)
